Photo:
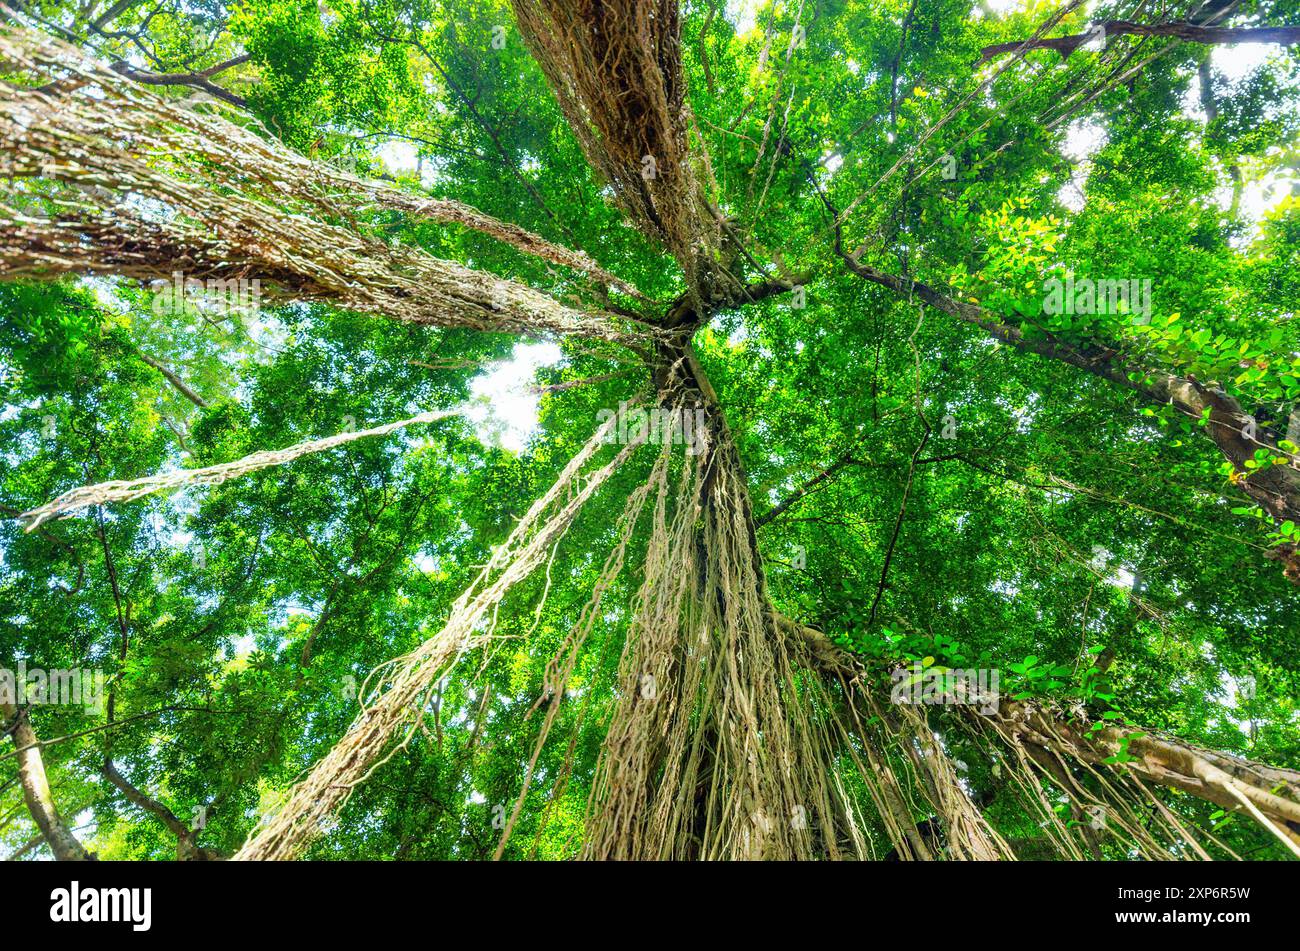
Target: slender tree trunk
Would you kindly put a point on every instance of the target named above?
(36, 788)
(187, 849)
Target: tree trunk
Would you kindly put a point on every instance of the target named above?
(36, 788)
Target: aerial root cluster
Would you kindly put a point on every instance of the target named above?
(394, 698)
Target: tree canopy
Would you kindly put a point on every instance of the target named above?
(888, 342)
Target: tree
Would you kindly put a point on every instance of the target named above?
(882, 490)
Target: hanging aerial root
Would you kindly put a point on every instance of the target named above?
(713, 751)
(617, 798)
(615, 68)
(1105, 805)
(345, 187)
(904, 767)
(393, 696)
(1065, 750)
(104, 493)
(867, 751)
(224, 205)
(1271, 796)
(720, 745)
(560, 669)
(967, 833)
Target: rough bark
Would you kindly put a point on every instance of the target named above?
(615, 68)
(235, 207)
(1164, 760)
(441, 209)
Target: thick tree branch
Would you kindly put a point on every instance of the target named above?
(1167, 761)
(616, 70)
(273, 224)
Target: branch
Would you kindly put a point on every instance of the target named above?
(811, 485)
(186, 848)
(573, 384)
(25, 848)
(1273, 792)
(615, 69)
(231, 63)
(898, 523)
(273, 223)
(519, 238)
(175, 381)
(691, 310)
(112, 13)
(1276, 489)
(103, 493)
(897, 63)
(1188, 32)
(196, 80)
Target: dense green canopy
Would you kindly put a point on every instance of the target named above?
(862, 231)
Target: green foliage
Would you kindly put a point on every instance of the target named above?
(236, 623)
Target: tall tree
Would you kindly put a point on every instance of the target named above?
(847, 539)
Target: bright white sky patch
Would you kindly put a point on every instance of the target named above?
(1261, 197)
(1234, 64)
(398, 156)
(1084, 138)
(402, 158)
(1113, 574)
(743, 13)
(999, 7)
(503, 411)
(1239, 60)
